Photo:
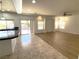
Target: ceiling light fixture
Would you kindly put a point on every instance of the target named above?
(33, 1)
(39, 18)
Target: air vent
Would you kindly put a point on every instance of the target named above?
(67, 13)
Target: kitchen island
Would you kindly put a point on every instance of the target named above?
(8, 41)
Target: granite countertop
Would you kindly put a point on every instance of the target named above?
(9, 37)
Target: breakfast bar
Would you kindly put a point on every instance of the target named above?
(8, 41)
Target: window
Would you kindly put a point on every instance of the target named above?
(60, 23)
(25, 27)
(6, 24)
(10, 24)
(2, 24)
(41, 24)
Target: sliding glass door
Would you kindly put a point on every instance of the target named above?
(25, 27)
(6, 24)
(2, 24)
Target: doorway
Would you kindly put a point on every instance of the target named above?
(25, 27)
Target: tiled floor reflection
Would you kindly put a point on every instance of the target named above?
(32, 47)
(25, 39)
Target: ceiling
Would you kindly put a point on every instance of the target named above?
(52, 7)
(48, 7)
(7, 5)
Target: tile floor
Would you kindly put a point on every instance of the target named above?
(32, 47)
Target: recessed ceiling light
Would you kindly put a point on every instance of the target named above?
(33, 1)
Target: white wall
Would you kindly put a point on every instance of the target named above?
(72, 24)
(18, 5)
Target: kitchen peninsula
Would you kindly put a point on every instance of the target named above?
(8, 40)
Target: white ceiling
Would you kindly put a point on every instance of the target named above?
(49, 7)
(7, 5)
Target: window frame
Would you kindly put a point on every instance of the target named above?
(43, 25)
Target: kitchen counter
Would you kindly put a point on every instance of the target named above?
(9, 37)
(7, 34)
(8, 41)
